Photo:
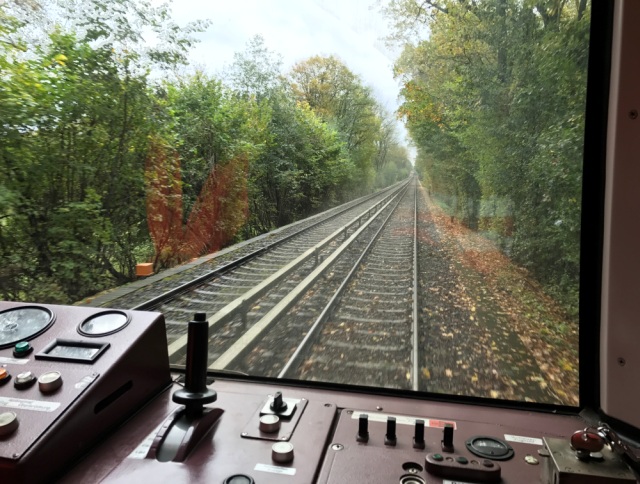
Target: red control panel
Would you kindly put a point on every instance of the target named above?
(69, 376)
(88, 397)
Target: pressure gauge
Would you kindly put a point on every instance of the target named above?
(489, 448)
(103, 324)
(23, 323)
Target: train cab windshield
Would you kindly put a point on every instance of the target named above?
(383, 193)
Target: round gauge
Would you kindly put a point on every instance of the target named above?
(489, 448)
(23, 323)
(102, 324)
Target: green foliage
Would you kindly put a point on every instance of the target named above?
(494, 101)
(76, 118)
(102, 167)
(338, 96)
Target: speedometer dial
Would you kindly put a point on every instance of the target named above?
(23, 323)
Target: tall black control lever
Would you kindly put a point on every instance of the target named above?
(195, 393)
(181, 432)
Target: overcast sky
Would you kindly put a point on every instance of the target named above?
(352, 30)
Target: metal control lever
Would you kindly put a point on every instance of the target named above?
(390, 437)
(182, 431)
(363, 428)
(447, 438)
(418, 435)
(617, 445)
(195, 393)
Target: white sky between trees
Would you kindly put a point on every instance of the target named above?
(352, 30)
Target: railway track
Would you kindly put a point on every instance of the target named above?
(237, 297)
(336, 300)
(360, 328)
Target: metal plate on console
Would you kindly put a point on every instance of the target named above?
(287, 425)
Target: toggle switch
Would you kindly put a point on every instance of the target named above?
(278, 405)
(418, 435)
(282, 407)
(390, 437)
(447, 438)
(363, 428)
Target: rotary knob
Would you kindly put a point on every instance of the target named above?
(49, 382)
(269, 424)
(282, 452)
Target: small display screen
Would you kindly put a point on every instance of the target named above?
(73, 351)
(76, 352)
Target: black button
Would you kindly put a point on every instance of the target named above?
(239, 479)
(487, 463)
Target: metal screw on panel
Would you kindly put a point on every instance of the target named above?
(379, 408)
(244, 434)
(622, 361)
(337, 447)
(633, 114)
(349, 412)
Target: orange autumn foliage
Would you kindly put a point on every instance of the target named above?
(218, 213)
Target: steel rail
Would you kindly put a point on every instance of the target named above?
(172, 293)
(239, 304)
(241, 346)
(415, 337)
(309, 338)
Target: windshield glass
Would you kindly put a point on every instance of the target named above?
(383, 193)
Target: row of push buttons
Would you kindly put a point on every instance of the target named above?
(461, 460)
(47, 382)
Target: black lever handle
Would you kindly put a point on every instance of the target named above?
(195, 393)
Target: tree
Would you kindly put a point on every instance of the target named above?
(79, 117)
(494, 100)
(338, 96)
(256, 71)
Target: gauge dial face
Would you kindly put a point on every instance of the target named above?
(489, 447)
(23, 323)
(103, 324)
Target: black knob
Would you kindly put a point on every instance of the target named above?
(390, 437)
(418, 436)
(278, 405)
(447, 438)
(363, 428)
(195, 393)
